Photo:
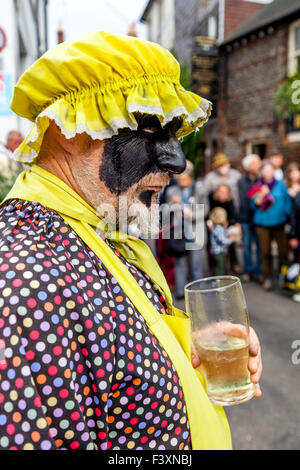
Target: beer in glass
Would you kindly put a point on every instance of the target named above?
(220, 335)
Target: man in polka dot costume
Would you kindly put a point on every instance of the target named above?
(79, 367)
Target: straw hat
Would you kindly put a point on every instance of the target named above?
(219, 159)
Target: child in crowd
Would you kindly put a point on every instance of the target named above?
(222, 197)
(292, 179)
(218, 238)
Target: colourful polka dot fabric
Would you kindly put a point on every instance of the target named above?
(79, 368)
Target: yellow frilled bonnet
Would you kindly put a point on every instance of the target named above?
(96, 83)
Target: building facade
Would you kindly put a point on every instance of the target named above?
(195, 31)
(174, 23)
(23, 38)
(159, 15)
(254, 61)
(171, 23)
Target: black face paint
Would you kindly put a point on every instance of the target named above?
(146, 197)
(131, 155)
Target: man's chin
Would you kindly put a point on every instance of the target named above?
(145, 218)
(140, 215)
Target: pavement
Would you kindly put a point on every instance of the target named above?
(271, 422)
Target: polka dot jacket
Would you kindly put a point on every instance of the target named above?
(79, 368)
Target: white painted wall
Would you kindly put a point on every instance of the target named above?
(161, 23)
(168, 24)
(153, 20)
(8, 65)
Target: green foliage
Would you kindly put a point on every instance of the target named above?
(191, 144)
(288, 97)
(6, 184)
(185, 76)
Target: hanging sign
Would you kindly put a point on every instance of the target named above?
(2, 39)
(205, 61)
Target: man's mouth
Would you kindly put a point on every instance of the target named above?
(154, 188)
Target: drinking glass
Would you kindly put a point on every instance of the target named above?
(220, 334)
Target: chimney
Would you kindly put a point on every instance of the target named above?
(132, 30)
(60, 33)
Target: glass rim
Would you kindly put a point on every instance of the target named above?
(235, 279)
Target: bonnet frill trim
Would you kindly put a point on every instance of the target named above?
(101, 111)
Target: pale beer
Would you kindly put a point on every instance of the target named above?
(225, 368)
(220, 333)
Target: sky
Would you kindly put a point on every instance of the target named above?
(82, 16)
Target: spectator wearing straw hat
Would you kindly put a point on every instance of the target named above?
(222, 173)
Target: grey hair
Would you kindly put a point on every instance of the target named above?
(12, 133)
(248, 160)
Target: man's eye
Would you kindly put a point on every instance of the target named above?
(150, 130)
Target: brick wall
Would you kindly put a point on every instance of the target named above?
(237, 12)
(249, 77)
(254, 72)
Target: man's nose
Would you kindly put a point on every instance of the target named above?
(170, 157)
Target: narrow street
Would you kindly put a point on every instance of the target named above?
(273, 421)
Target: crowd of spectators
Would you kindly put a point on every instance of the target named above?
(252, 219)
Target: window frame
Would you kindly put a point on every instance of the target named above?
(212, 27)
(293, 53)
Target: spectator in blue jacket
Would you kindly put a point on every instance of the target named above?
(272, 208)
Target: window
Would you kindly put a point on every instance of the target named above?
(294, 48)
(297, 46)
(212, 27)
(259, 148)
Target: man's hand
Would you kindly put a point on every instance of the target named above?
(254, 364)
(234, 238)
(176, 199)
(264, 190)
(294, 243)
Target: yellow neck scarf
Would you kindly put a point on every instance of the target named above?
(208, 424)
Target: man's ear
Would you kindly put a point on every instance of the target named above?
(66, 144)
(79, 144)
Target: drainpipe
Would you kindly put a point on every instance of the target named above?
(46, 23)
(34, 11)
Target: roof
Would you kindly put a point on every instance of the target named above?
(275, 11)
(145, 13)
